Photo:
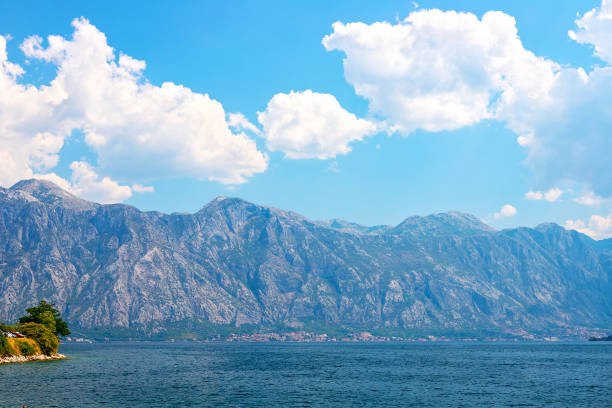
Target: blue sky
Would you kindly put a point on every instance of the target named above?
(242, 54)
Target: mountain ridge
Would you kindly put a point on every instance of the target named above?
(340, 224)
(50, 193)
(236, 263)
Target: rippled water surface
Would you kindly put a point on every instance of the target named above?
(301, 375)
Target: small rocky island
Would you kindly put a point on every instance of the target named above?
(605, 338)
(35, 337)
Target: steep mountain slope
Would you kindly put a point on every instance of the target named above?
(238, 263)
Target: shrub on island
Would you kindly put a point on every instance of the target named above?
(26, 349)
(42, 324)
(46, 339)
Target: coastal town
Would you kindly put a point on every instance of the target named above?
(304, 336)
(362, 336)
(307, 337)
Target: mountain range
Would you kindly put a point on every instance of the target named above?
(238, 264)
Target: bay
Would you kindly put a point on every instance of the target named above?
(314, 375)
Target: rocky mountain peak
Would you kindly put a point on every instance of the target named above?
(37, 186)
(239, 213)
(47, 192)
(224, 202)
(229, 207)
(466, 220)
(441, 224)
(549, 227)
(352, 227)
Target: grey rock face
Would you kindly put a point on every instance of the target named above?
(234, 262)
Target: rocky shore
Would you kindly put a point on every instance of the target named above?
(35, 357)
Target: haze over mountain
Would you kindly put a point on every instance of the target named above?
(237, 263)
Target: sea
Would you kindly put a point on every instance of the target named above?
(193, 374)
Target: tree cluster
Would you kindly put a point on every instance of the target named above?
(43, 324)
(47, 315)
(46, 340)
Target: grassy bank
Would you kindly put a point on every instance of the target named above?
(22, 347)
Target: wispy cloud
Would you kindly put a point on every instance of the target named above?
(551, 195)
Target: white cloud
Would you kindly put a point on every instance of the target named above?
(60, 181)
(595, 28)
(139, 188)
(238, 121)
(589, 198)
(30, 135)
(138, 130)
(572, 136)
(506, 211)
(598, 227)
(311, 125)
(86, 183)
(551, 195)
(440, 70)
(534, 195)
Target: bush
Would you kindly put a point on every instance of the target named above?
(47, 341)
(26, 348)
(4, 347)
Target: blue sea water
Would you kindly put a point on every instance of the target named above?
(314, 375)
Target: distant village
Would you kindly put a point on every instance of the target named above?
(364, 336)
(304, 336)
(77, 340)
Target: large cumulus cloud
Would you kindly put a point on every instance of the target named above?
(438, 70)
(138, 131)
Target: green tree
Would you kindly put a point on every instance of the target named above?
(47, 315)
(46, 318)
(46, 339)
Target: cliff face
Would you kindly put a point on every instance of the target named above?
(234, 262)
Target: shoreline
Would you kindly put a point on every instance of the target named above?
(35, 357)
